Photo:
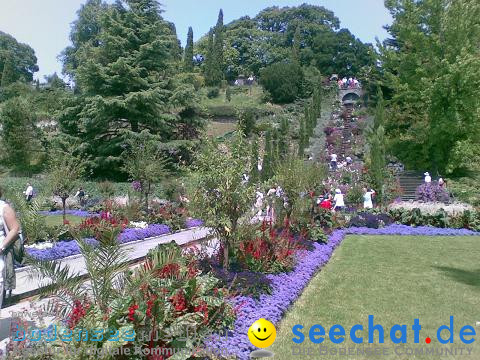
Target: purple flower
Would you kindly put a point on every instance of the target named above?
(137, 185)
(190, 223)
(80, 213)
(63, 249)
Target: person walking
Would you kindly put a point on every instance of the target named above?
(339, 200)
(367, 198)
(333, 161)
(81, 196)
(28, 193)
(9, 232)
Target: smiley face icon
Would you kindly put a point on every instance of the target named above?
(262, 333)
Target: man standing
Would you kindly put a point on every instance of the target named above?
(28, 193)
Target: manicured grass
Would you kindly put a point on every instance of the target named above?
(397, 279)
(55, 220)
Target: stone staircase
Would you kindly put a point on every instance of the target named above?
(347, 131)
(409, 181)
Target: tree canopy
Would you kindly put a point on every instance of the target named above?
(431, 67)
(253, 43)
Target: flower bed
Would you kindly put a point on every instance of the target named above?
(79, 213)
(63, 249)
(286, 288)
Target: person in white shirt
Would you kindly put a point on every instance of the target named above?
(428, 178)
(259, 202)
(333, 161)
(367, 198)
(338, 199)
(28, 192)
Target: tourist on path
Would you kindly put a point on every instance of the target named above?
(81, 196)
(9, 232)
(339, 201)
(28, 192)
(333, 161)
(428, 178)
(367, 198)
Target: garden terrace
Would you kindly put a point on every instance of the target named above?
(137, 251)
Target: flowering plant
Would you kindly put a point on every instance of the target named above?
(432, 192)
(269, 251)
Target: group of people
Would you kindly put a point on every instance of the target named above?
(337, 202)
(428, 180)
(350, 83)
(29, 193)
(334, 165)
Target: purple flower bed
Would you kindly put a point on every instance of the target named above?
(80, 213)
(190, 223)
(286, 288)
(63, 249)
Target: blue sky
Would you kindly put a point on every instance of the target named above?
(45, 24)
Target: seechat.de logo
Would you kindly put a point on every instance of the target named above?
(399, 334)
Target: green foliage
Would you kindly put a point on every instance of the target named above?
(32, 223)
(213, 92)
(297, 177)
(144, 162)
(228, 94)
(247, 118)
(17, 61)
(123, 68)
(106, 189)
(432, 71)
(271, 33)
(19, 134)
(188, 57)
(376, 138)
(284, 81)
(355, 195)
(64, 172)
(216, 189)
(268, 162)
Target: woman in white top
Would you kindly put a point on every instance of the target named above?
(428, 178)
(367, 198)
(338, 199)
(9, 230)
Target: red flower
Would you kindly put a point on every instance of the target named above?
(178, 301)
(131, 312)
(66, 222)
(203, 308)
(168, 271)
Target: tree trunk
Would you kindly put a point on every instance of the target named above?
(64, 204)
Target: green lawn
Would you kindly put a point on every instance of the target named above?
(55, 220)
(396, 279)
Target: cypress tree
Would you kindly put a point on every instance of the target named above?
(283, 138)
(188, 57)
(301, 137)
(267, 164)
(297, 40)
(218, 64)
(254, 175)
(377, 147)
(210, 62)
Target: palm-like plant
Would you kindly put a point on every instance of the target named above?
(105, 265)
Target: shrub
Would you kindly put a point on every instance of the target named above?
(355, 195)
(283, 81)
(373, 221)
(106, 189)
(268, 251)
(213, 92)
(432, 192)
